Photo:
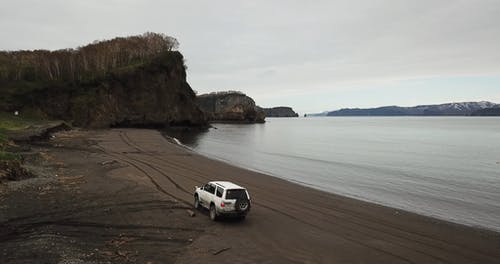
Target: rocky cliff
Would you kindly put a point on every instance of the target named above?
(135, 81)
(280, 111)
(230, 107)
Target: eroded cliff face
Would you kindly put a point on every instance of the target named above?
(280, 111)
(230, 107)
(154, 93)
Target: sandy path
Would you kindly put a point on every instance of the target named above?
(291, 223)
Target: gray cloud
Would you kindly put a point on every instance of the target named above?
(267, 48)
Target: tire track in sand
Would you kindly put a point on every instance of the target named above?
(130, 143)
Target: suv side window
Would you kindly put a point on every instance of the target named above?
(220, 191)
(210, 188)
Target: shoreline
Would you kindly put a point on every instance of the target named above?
(318, 188)
(432, 220)
(122, 195)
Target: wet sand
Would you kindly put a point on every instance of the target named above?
(289, 223)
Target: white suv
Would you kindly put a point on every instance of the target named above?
(222, 198)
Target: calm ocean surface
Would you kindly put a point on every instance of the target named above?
(446, 167)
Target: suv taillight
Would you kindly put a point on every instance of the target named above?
(222, 204)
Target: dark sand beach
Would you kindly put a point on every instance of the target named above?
(121, 196)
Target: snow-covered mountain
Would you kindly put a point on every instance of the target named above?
(464, 108)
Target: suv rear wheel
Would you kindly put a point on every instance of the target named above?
(213, 213)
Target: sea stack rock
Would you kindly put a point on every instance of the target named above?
(230, 106)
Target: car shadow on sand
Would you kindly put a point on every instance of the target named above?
(225, 220)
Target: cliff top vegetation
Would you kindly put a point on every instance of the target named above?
(83, 63)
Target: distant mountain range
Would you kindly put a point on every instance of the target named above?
(450, 109)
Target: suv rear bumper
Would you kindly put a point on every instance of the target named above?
(233, 213)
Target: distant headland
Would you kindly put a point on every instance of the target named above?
(280, 111)
(230, 106)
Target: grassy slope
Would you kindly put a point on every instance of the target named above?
(3, 154)
(10, 122)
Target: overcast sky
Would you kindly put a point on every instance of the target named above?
(311, 55)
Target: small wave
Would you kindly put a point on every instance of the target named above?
(177, 141)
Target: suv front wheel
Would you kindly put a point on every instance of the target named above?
(196, 202)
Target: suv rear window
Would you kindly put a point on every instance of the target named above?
(236, 193)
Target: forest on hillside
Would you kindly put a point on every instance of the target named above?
(85, 62)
